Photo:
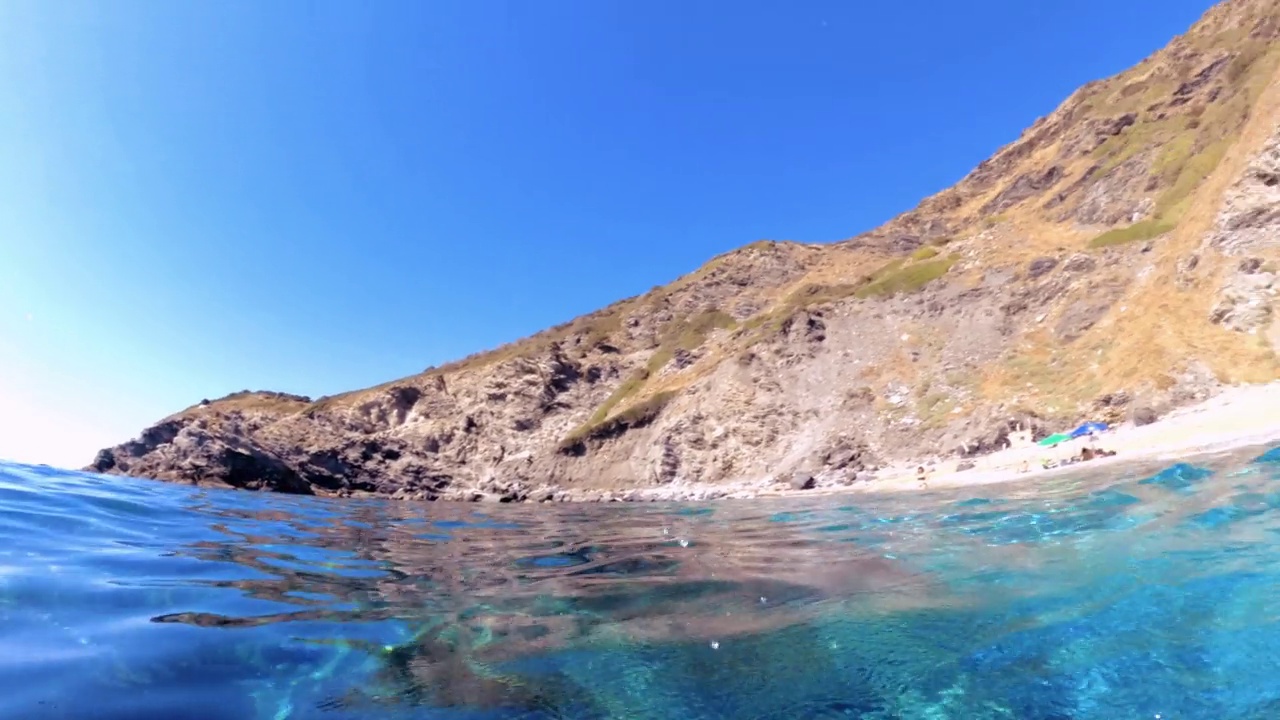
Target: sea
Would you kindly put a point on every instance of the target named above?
(1143, 592)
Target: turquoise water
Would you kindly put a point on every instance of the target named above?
(1147, 593)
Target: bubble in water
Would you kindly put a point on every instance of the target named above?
(715, 644)
(684, 543)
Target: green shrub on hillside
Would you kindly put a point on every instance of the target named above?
(1145, 230)
(906, 279)
(688, 334)
(639, 414)
(629, 387)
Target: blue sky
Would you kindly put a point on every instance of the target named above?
(201, 197)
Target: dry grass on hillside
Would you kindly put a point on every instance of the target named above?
(1192, 149)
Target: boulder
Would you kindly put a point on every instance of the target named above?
(1118, 398)
(802, 481)
(1080, 263)
(1040, 266)
(1143, 415)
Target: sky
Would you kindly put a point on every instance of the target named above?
(203, 197)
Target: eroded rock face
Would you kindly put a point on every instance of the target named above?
(991, 431)
(172, 452)
(829, 391)
(1245, 301)
(1250, 216)
(1114, 198)
(1022, 188)
(1248, 228)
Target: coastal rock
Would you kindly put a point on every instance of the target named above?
(166, 452)
(802, 481)
(1143, 415)
(843, 453)
(990, 433)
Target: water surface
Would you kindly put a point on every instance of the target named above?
(1149, 592)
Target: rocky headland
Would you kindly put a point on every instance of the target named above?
(1117, 261)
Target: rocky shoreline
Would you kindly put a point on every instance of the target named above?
(1237, 417)
(500, 492)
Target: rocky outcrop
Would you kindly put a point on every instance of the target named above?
(1022, 188)
(1033, 294)
(171, 451)
(1248, 229)
(1041, 266)
(1245, 299)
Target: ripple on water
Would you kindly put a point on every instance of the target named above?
(1090, 598)
(1270, 456)
(1182, 476)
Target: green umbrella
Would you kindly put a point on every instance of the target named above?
(1054, 439)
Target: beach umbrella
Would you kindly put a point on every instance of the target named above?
(1089, 427)
(1054, 439)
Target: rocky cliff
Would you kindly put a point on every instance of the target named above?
(1121, 256)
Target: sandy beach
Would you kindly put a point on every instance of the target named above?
(1235, 418)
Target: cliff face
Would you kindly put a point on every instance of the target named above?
(1120, 256)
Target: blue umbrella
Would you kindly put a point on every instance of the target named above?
(1089, 427)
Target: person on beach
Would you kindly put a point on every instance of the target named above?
(1090, 453)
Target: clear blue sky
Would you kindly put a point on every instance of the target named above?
(200, 197)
